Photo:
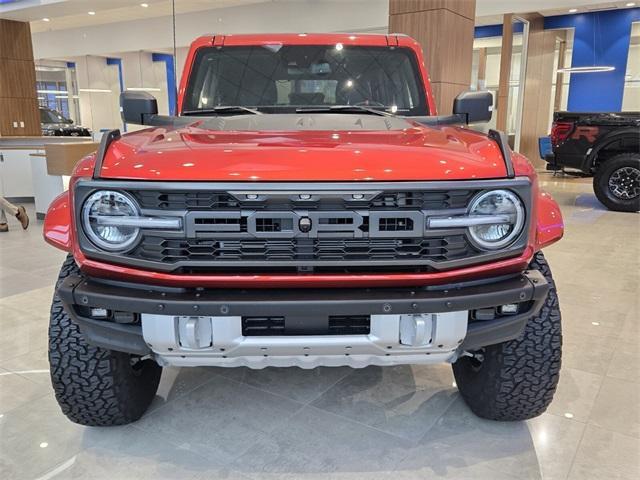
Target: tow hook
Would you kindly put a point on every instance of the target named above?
(479, 356)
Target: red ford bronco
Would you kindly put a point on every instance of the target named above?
(306, 207)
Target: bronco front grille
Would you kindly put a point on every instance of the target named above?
(164, 250)
(213, 200)
(245, 228)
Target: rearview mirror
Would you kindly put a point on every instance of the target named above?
(135, 106)
(474, 106)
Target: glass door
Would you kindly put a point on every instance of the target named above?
(519, 41)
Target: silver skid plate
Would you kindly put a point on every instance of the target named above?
(218, 341)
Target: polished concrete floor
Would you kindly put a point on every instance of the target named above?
(401, 423)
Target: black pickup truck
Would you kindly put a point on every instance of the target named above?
(605, 145)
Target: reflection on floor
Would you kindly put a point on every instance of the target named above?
(402, 423)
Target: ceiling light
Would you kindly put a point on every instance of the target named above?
(631, 4)
(144, 5)
(45, 19)
(94, 90)
(91, 13)
(573, 10)
(46, 68)
(145, 89)
(59, 92)
(593, 69)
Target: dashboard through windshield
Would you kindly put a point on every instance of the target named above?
(284, 78)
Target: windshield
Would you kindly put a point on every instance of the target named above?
(277, 78)
(50, 116)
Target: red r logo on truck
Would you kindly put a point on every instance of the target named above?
(590, 133)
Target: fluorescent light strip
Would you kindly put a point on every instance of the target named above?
(594, 69)
(143, 89)
(94, 90)
(59, 92)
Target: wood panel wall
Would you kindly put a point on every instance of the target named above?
(444, 29)
(19, 114)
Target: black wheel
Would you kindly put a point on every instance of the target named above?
(516, 380)
(94, 386)
(617, 182)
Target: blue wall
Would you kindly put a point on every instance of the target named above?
(594, 92)
(485, 31)
(611, 30)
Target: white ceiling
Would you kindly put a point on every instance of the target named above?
(546, 7)
(489, 12)
(66, 14)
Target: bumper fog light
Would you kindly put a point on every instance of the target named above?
(509, 309)
(99, 312)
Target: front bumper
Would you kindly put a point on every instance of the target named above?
(443, 311)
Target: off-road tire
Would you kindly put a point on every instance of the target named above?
(95, 386)
(601, 182)
(516, 379)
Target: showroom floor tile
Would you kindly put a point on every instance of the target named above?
(404, 422)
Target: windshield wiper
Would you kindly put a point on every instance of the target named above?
(221, 110)
(344, 109)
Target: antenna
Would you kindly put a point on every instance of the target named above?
(175, 57)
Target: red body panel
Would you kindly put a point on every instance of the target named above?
(550, 226)
(196, 154)
(57, 223)
(99, 269)
(417, 153)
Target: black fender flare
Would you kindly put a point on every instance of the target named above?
(631, 133)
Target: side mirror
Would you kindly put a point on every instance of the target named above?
(135, 106)
(474, 106)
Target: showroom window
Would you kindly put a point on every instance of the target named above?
(57, 90)
(486, 54)
(562, 59)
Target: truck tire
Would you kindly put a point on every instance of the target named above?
(617, 182)
(95, 386)
(516, 380)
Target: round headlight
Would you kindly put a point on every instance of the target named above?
(506, 209)
(101, 223)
